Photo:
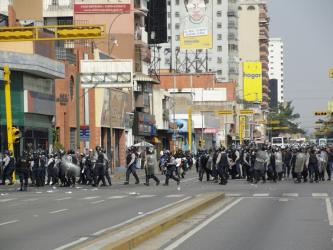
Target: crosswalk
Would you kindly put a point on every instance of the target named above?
(283, 195)
(95, 199)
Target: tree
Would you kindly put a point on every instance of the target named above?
(286, 117)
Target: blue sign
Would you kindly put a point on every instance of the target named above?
(84, 133)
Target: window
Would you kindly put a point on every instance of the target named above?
(219, 36)
(169, 25)
(177, 26)
(219, 48)
(219, 1)
(219, 60)
(219, 72)
(169, 38)
(169, 2)
(219, 25)
(177, 2)
(219, 13)
(177, 14)
(251, 7)
(239, 8)
(177, 37)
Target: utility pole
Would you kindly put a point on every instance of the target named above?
(8, 103)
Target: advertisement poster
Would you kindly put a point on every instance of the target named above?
(252, 81)
(196, 25)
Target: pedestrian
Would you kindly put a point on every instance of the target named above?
(330, 163)
(261, 161)
(223, 163)
(149, 165)
(171, 169)
(8, 167)
(22, 170)
(107, 164)
(131, 165)
(313, 166)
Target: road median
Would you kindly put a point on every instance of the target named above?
(135, 233)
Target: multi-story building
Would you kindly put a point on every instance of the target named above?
(222, 58)
(253, 38)
(276, 65)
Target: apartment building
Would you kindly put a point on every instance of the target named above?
(222, 58)
(276, 65)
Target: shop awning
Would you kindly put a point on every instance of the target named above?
(140, 77)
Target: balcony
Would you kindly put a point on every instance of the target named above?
(140, 35)
(141, 5)
(64, 54)
(142, 53)
(232, 25)
(60, 8)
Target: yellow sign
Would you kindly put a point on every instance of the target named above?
(56, 32)
(246, 111)
(252, 81)
(225, 112)
(330, 73)
(280, 128)
(274, 122)
(196, 25)
(241, 129)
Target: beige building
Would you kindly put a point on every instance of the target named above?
(253, 38)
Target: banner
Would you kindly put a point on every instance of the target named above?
(252, 81)
(196, 25)
(102, 6)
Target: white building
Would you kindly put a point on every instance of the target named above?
(222, 58)
(276, 65)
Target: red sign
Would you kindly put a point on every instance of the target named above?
(102, 8)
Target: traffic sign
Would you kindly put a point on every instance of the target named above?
(280, 128)
(84, 133)
(246, 112)
(2, 75)
(225, 112)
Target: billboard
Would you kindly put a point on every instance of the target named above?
(196, 25)
(102, 6)
(252, 81)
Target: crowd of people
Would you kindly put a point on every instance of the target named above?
(250, 162)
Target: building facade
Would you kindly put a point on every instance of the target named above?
(276, 65)
(254, 37)
(222, 58)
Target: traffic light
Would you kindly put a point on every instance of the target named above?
(323, 113)
(200, 143)
(16, 134)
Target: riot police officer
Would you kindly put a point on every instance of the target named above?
(22, 169)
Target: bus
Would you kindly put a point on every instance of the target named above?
(281, 142)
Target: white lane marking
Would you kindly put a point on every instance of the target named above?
(329, 211)
(191, 179)
(145, 196)
(284, 199)
(139, 216)
(319, 194)
(290, 194)
(175, 195)
(232, 195)
(96, 202)
(62, 199)
(72, 243)
(260, 195)
(8, 222)
(5, 200)
(90, 198)
(58, 211)
(117, 197)
(31, 199)
(201, 226)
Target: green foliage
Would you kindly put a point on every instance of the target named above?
(287, 118)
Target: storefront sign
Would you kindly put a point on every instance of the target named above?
(102, 6)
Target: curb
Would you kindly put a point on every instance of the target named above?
(128, 242)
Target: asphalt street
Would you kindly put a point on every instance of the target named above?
(263, 216)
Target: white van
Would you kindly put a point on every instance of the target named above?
(280, 142)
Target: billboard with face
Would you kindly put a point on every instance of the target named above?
(196, 25)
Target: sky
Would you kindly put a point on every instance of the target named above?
(306, 28)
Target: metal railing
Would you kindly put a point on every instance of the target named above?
(65, 55)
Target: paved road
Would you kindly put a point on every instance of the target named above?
(48, 218)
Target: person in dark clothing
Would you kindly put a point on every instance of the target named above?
(313, 167)
(171, 169)
(100, 170)
(222, 163)
(149, 165)
(131, 166)
(287, 156)
(22, 170)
